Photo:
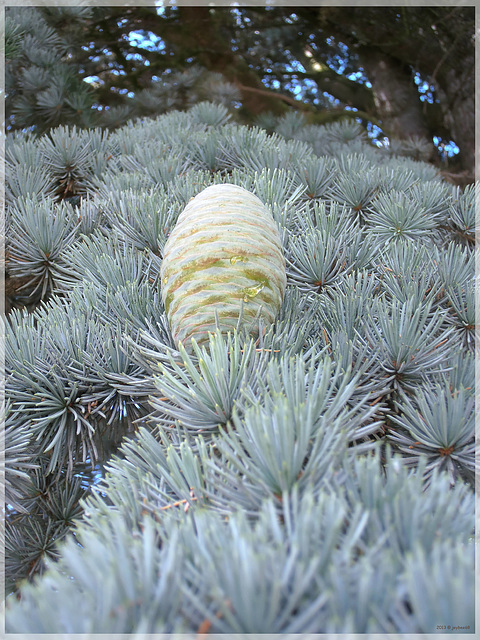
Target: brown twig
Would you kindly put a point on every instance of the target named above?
(265, 92)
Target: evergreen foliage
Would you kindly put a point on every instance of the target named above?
(45, 78)
(43, 86)
(314, 478)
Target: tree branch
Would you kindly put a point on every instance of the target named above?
(272, 94)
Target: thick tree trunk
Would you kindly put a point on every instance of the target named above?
(436, 41)
(458, 108)
(396, 98)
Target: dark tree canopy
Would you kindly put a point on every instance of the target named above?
(405, 72)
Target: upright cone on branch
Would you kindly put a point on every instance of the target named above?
(223, 261)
